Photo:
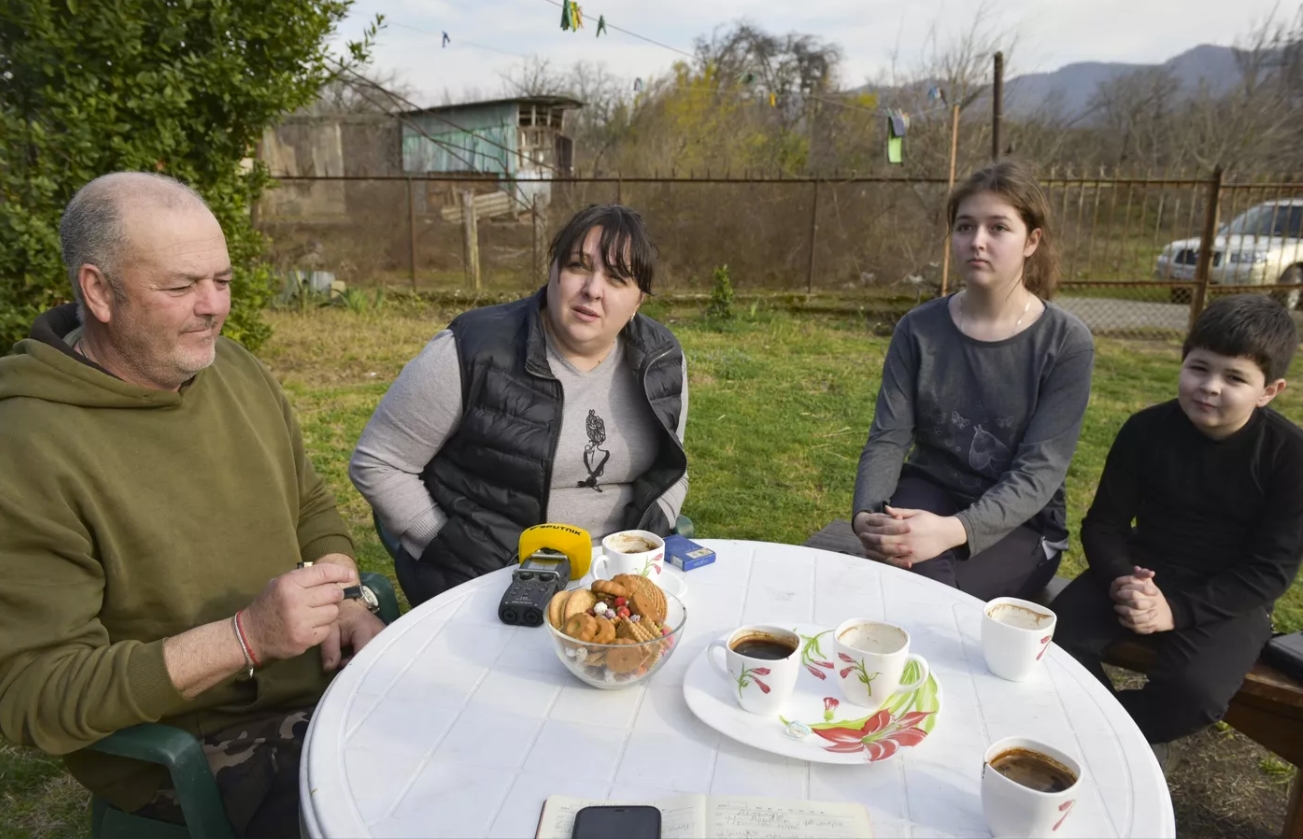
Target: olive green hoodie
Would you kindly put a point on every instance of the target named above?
(128, 515)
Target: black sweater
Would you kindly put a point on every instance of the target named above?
(1220, 522)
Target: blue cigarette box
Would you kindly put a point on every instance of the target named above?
(686, 554)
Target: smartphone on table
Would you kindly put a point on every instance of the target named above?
(617, 822)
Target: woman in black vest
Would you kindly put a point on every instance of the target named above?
(566, 406)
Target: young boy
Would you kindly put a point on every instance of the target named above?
(1214, 483)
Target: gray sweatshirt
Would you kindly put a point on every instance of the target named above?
(993, 422)
(609, 437)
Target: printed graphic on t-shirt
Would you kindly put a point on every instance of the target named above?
(595, 457)
(985, 445)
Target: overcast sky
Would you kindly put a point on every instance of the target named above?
(489, 36)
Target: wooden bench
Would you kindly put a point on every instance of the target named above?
(1268, 709)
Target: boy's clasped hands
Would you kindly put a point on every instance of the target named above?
(1140, 606)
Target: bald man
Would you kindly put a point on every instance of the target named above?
(155, 504)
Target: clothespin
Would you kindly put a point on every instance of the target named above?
(577, 15)
(897, 126)
(566, 23)
(748, 77)
(446, 39)
(637, 85)
(601, 25)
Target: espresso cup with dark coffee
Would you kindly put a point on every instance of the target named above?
(760, 664)
(1028, 788)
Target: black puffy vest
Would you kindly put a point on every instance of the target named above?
(492, 477)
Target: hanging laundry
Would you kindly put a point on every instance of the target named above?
(601, 25)
(897, 127)
(446, 39)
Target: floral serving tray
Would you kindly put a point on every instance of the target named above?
(818, 724)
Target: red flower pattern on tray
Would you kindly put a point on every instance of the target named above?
(879, 737)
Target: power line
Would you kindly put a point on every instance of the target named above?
(456, 42)
(635, 34)
(830, 100)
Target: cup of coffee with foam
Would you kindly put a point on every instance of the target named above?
(638, 552)
(1015, 636)
(760, 663)
(1028, 788)
(873, 662)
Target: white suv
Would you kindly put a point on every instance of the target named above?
(1262, 246)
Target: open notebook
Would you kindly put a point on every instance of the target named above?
(726, 817)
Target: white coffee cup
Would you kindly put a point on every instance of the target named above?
(626, 552)
(762, 685)
(871, 660)
(1015, 635)
(1015, 811)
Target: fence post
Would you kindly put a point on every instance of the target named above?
(411, 232)
(472, 238)
(533, 224)
(1206, 239)
(814, 229)
(950, 187)
(997, 105)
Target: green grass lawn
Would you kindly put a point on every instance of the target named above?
(780, 406)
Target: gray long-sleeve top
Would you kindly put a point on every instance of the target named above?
(993, 422)
(592, 481)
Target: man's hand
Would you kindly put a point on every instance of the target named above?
(343, 561)
(353, 631)
(1140, 605)
(883, 538)
(929, 535)
(295, 612)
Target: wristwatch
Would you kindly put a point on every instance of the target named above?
(366, 595)
(358, 592)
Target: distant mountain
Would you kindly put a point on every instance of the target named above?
(1071, 87)
(1069, 90)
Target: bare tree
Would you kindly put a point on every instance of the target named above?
(534, 76)
(341, 96)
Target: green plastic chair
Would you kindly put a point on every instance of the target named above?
(684, 527)
(180, 752)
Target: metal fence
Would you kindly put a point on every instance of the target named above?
(1141, 255)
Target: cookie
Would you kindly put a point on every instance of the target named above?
(582, 627)
(640, 633)
(605, 631)
(610, 588)
(625, 657)
(624, 629)
(580, 600)
(556, 609)
(654, 605)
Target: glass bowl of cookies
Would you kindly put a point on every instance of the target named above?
(617, 632)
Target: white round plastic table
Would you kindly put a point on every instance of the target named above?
(451, 723)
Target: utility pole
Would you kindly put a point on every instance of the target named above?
(997, 105)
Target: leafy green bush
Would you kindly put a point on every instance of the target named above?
(721, 296)
(182, 87)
